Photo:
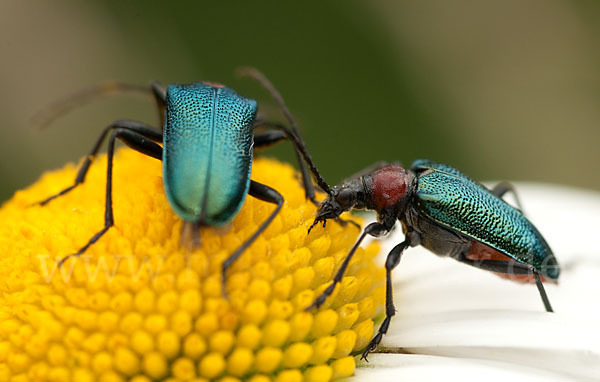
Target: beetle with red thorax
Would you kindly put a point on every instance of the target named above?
(448, 213)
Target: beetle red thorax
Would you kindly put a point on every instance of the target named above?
(389, 186)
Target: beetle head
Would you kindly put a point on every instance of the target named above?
(342, 198)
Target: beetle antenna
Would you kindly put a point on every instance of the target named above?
(57, 109)
(264, 81)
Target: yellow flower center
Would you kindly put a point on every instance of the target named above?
(137, 306)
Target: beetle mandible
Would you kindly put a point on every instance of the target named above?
(448, 213)
(207, 150)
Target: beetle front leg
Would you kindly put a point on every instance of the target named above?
(392, 260)
(374, 229)
(264, 193)
(136, 141)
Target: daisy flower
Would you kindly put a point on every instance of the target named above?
(139, 307)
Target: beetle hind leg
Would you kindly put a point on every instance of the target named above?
(542, 291)
(500, 189)
(511, 267)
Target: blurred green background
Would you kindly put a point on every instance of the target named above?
(501, 90)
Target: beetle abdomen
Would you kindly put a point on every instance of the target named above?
(207, 154)
(481, 252)
(458, 203)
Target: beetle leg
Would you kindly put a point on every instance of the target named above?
(301, 153)
(392, 260)
(135, 140)
(295, 133)
(502, 188)
(511, 267)
(266, 194)
(542, 292)
(343, 222)
(269, 138)
(375, 229)
(140, 128)
(264, 81)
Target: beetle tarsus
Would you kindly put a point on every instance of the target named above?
(317, 221)
(82, 250)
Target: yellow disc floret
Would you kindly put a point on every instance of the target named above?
(139, 306)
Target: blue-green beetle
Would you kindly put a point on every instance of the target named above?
(207, 140)
(448, 213)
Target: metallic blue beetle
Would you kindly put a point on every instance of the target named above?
(207, 148)
(448, 213)
(207, 151)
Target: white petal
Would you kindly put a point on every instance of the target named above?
(414, 367)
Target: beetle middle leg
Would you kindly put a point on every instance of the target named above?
(392, 260)
(135, 135)
(266, 194)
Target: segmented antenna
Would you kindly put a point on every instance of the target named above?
(264, 81)
(57, 109)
